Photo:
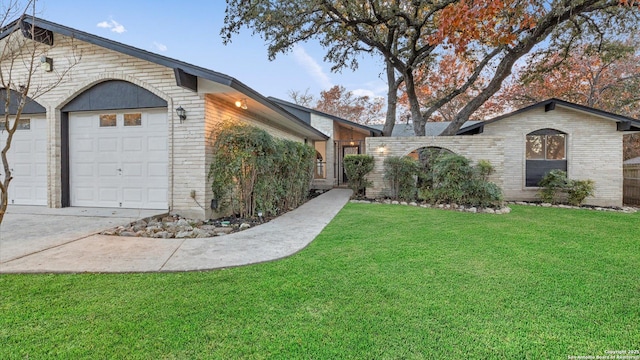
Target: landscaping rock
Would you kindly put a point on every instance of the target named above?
(244, 226)
(162, 235)
(545, 205)
(223, 230)
(184, 234)
(128, 233)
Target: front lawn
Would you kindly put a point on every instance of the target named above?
(380, 282)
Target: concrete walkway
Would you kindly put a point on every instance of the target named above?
(281, 237)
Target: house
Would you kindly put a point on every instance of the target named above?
(525, 144)
(344, 137)
(125, 127)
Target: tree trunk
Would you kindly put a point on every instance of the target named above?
(392, 100)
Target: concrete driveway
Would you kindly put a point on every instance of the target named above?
(65, 240)
(32, 229)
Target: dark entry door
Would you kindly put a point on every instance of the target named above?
(348, 150)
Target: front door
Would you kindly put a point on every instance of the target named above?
(348, 150)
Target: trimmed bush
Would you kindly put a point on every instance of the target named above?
(401, 174)
(357, 167)
(250, 171)
(580, 190)
(555, 184)
(452, 179)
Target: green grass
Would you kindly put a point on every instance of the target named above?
(380, 282)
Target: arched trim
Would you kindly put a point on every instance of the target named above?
(547, 131)
(112, 95)
(30, 107)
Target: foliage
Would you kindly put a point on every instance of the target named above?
(401, 173)
(552, 185)
(416, 36)
(371, 291)
(339, 102)
(345, 104)
(251, 171)
(604, 75)
(580, 190)
(454, 180)
(357, 167)
(555, 183)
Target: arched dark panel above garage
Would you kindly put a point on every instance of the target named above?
(113, 95)
(30, 107)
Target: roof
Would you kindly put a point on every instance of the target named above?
(186, 74)
(634, 161)
(299, 108)
(431, 128)
(625, 123)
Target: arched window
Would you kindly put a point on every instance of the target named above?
(546, 151)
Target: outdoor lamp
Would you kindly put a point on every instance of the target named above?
(182, 114)
(242, 104)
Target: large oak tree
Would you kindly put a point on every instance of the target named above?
(411, 36)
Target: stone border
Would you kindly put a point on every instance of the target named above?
(453, 207)
(624, 209)
(503, 210)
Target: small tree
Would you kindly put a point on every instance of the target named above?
(21, 48)
(357, 167)
(401, 173)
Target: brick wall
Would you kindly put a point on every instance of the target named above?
(594, 151)
(189, 144)
(475, 148)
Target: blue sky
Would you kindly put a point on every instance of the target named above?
(190, 31)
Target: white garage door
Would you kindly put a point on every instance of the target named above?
(27, 161)
(119, 159)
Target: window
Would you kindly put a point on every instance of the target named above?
(23, 124)
(546, 151)
(133, 119)
(107, 120)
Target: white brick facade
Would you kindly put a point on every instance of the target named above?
(189, 143)
(593, 145)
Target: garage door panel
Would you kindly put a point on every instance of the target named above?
(109, 144)
(20, 170)
(28, 163)
(83, 146)
(132, 144)
(128, 160)
(108, 170)
(132, 170)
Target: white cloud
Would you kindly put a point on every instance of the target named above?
(159, 46)
(364, 92)
(312, 67)
(113, 25)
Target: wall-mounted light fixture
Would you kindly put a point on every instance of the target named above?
(182, 114)
(47, 63)
(242, 104)
(381, 149)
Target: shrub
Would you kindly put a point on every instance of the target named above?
(556, 183)
(580, 190)
(251, 170)
(357, 167)
(454, 180)
(401, 174)
(553, 184)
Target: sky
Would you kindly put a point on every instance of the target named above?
(189, 31)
